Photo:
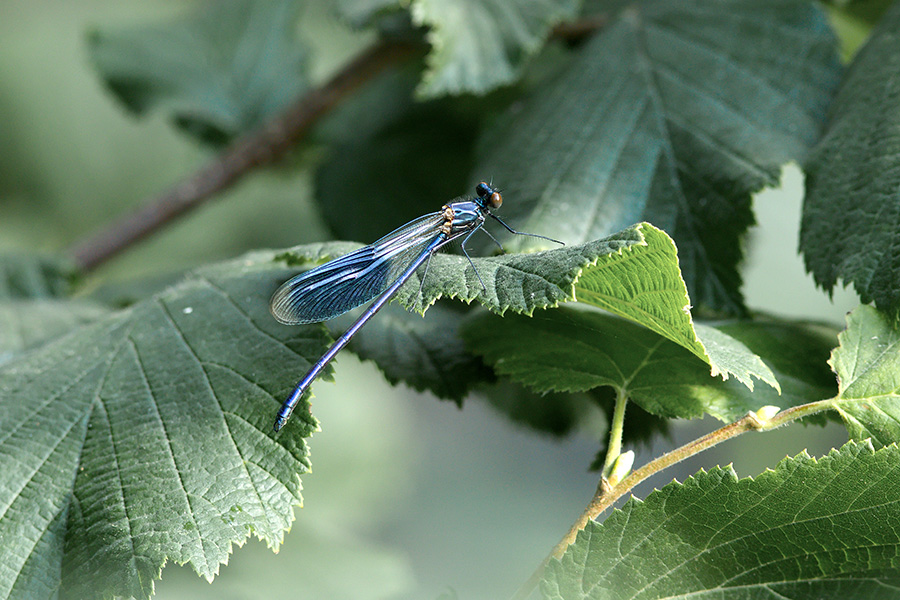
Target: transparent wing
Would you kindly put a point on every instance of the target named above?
(353, 279)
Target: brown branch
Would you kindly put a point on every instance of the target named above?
(260, 147)
(576, 31)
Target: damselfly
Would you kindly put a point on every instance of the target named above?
(378, 269)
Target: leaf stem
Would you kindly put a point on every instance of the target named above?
(607, 495)
(615, 431)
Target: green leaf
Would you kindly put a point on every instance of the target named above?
(646, 287)
(727, 356)
(810, 529)
(798, 354)
(146, 436)
(633, 273)
(425, 353)
(478, 45)
(221, 71)
(851, 217)
(569, 350)
(26, 324)
(674, 114)
(867, 363)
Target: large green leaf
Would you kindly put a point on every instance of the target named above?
(26, 324)
(808, 530)
(478, 45)
(146, 437)
(578, 350)
(674, 114)
(851, 215)
(633, 273)
(220, 72)
(867, 363)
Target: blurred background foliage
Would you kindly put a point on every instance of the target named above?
(440, 500)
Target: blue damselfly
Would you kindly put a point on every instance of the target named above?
(378, 269)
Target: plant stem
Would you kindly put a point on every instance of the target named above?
(606, 496)
(259, 147)
(615, 431)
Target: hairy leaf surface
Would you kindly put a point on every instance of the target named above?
(851, 216)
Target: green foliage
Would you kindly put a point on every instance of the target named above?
(851, 217)
(867, 363)
(25, 276)
(426, 147)
(807, 529)
(674, 114)
(136, 420)
(201, 399)
(577, 350)
(146, 436)
(220, 72)
(478, 45)
(33, 306)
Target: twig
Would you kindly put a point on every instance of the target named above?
(606, 496)
(262, 146)
(575, 31)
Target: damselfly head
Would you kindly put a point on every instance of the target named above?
(488, 194)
